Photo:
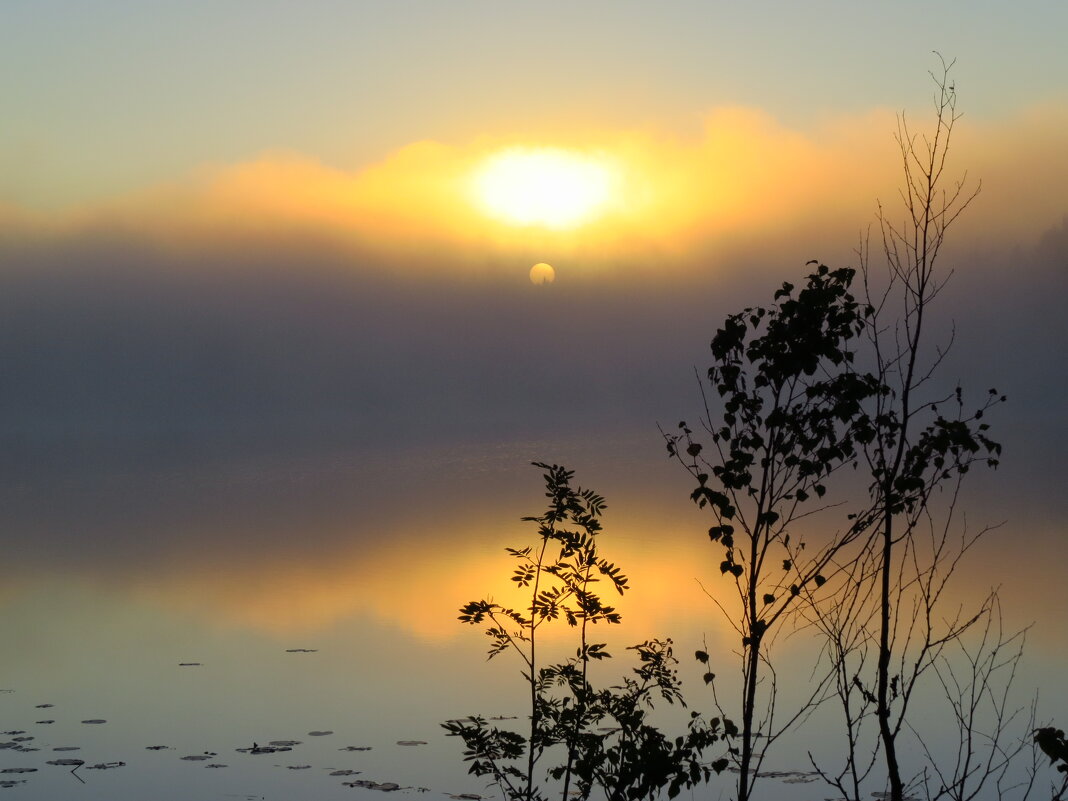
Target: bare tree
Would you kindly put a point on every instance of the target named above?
(895, 625)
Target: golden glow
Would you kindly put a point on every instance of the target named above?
(542, 273)
(644, 202)
(542, 186)
(288, 595)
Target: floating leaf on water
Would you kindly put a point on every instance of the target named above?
(9, 783)
(16, 731)
(411, 742)
(503, 717)
(285, 743)
(355, 748)
(66, 762)
(19, 770)
(298, 767)
(345, 772)
(319, 733)
(157, 747)
(106, 765)
(216, 765)
(264, 749)
(367, 784)
(301, 650)
(189, 664)
(44, 722)
(466, 797)
(196, 757)
(44, 706)
(22, 739)
(94, 720)
(67, 748)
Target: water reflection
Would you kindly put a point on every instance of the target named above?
(314, 609)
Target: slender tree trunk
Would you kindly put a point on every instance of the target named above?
(883, 688)
(580, 701)
(744, 788)
(535, 715)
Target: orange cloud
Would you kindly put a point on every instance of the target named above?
(745, 178)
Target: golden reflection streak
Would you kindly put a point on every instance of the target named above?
(422, 596)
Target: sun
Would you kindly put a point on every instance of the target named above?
(542, 273)
(553, 187)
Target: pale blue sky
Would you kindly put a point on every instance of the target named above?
(106, 97)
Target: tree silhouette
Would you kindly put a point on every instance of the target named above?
(800, 389)
(790, 415)
(634, 760)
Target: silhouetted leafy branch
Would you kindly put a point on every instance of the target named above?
(1054, 745)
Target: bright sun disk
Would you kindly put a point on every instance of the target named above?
(542, 186)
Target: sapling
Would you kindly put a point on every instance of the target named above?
(604, 737)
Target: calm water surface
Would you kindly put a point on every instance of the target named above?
(315, 601)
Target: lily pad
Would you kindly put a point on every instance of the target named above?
(367, 784)
(94, 720)
(319, 733)
(264, 749)
(67, 748)
(66, 762)
(411, 742)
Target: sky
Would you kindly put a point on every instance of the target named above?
(112, 98)
(262, 318)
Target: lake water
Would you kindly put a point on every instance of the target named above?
(198, 609)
